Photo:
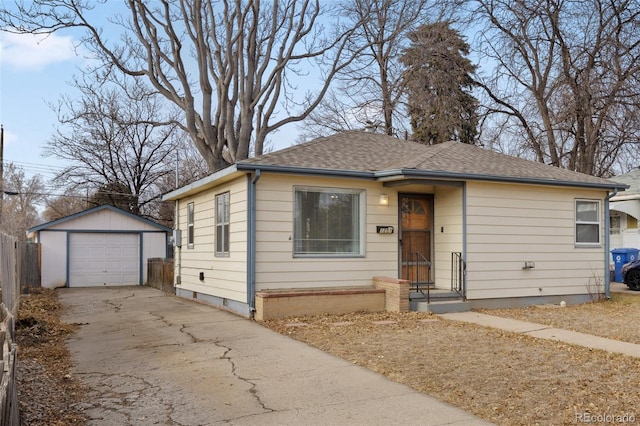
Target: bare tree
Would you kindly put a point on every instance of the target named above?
(438, 80)
(64, 205)
(566, 79)
(119, 142)
(189, 168)
(228, 65)
(23, 195)
(369, 91)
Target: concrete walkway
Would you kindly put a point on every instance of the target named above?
(547, 332)
(622, 288)
(150, 358)
(551, 333)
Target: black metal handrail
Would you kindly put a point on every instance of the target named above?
(423, 275)
(458, 270)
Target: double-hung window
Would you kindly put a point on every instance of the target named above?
(328, 222)
(222, 224)
(587, 222)
(190, 229)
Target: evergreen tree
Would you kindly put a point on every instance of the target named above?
(437, 80)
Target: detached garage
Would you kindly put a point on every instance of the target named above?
(102, 246)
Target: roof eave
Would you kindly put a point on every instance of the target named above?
(306, 171)
(625, 197)
(386, 175)
(46, 225)
(200, 185)
(382, 175)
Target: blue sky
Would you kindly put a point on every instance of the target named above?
(34, 71)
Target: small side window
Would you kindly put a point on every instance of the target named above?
(190, 227)
(587, 222)
(222, 224)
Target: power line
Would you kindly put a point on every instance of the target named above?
(52, 194)
(36, 167)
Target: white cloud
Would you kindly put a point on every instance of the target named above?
(10, 138)
(34, 52)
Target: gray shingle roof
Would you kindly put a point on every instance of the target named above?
(632, 179)
(372, 152)
(355, 151)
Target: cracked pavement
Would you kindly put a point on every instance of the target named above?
(154, 359)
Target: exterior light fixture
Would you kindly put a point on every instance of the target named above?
(383, 199)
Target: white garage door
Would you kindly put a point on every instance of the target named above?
(104, 260)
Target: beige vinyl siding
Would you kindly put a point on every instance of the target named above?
(509, 224)
(447, 232)
(277, 268)
(225, 277)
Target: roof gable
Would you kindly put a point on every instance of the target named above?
(93, 210)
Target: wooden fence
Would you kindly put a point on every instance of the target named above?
(19, 269)
(9, 410)
(28, 263)
(9, 274)
(10, 280)
(160, 274)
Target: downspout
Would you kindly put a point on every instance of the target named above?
(607, 235)
(177, 249)
(464, 241)
(251, 242)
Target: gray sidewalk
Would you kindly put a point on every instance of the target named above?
(547, 332)
(151, 358)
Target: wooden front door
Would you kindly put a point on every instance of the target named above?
(415, 239)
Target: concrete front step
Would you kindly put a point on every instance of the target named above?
(440, 307)
(434, 296)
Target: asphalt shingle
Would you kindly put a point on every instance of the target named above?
(372, 152)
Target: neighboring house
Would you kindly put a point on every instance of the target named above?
(324, 218)
(625, 212)
(102, 246)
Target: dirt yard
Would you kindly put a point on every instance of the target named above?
(506, 378)
(503, 377)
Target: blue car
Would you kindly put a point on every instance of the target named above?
(631, 275)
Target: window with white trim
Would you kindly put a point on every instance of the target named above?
(190, 223)
(222, 224)
(587, 222)
(328, 222)
(615, 222)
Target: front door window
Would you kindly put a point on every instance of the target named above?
(415, 228)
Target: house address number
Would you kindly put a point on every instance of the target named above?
(384, 229)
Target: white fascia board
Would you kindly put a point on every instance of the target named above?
(200, 185)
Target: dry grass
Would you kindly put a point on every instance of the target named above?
(503, 377)
(46, 390)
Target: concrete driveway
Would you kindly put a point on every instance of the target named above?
(151, 358)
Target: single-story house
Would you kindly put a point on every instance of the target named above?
(625, 212)
(101, 246)
(359, 220)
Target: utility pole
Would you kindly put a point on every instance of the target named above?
(177, 164)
